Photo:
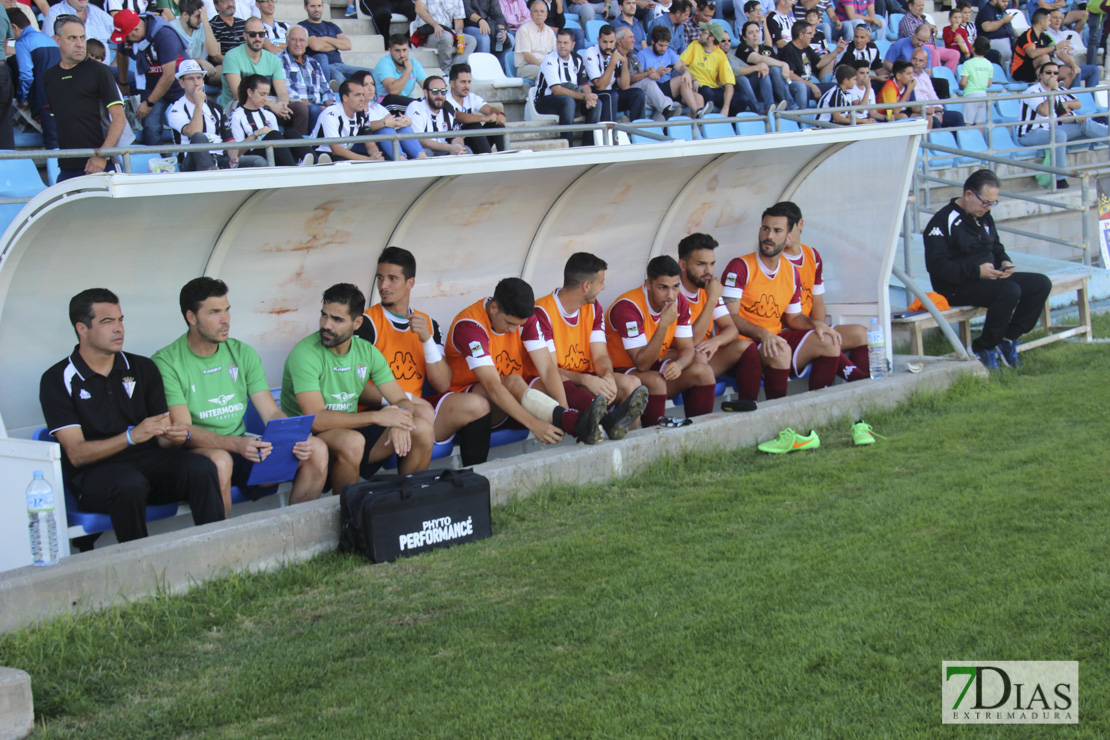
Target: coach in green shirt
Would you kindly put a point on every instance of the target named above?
(329, 372)
(209, 379)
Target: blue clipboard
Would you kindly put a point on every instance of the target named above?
(281, 465)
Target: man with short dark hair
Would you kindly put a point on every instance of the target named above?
(993, 22)
(84, 101)
(107, 409)
(764, 294)
(156, 49)
(347, 118)
(223, 32)
(574, 323)
(412, 344)
(804, 62)
(627, 19)
(969, 267)
(209, 379)
(1032, 48)
(610, 75)
(473, 112)
(399, 75)
(496, 350)
(674, 80)
(898, 89)
(250, 58)
(432, 114)
(674, 21)
(564, 88)
(649, 336)
(327, 373)
(325, 41)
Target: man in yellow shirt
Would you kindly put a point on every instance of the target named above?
(711, 70)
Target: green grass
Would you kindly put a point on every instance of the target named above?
(721, 594)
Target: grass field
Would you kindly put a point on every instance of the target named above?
(723, 594)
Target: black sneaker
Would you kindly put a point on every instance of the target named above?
(738, 404)
(587, 430)
(1062, 184)
(618, 421)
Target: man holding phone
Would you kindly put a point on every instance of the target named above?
(969, 267)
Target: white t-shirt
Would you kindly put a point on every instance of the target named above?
(245, 122)
(856, 96)
(472, 103)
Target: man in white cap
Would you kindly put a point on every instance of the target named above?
(194, 121)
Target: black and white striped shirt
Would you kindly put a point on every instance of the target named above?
(569, 72)
(1030, 118)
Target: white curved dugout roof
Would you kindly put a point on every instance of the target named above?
(280, 237)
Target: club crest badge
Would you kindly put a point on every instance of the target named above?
(361, 369)
(233, 371)
(129, 385)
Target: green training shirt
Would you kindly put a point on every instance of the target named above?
(340, 379)
(215, 389)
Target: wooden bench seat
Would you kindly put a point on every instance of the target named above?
(962, 315)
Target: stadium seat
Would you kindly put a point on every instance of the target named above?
(638, 139)
(530, 113)
(571, 21)
(941, 160)
(788, 124)
(140, 162)
(1001, 76)
(750, 124)
(592, 27)
(892, 25)
(486, 68)
(52, 171)
(28, 140)
(19, 178)
(1007, 110)
(941, 72)
(502, 437)
(882, 44)
(678, 127)
(712, 127)
(1002, 139)
(972, 140)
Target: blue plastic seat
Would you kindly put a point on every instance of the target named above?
(882, 44)
(677, 129)
(592, 27)
(972, 140)
(749, 124)
(941, 72)
(1007, 110)
(502, 437)
(638, 139)
(789, 124)
(19, 178)
(892, 25)
(713, 127)
(942, 160)
(1008, 82)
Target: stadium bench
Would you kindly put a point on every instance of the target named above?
(962, 315)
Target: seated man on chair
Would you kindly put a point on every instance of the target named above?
(649, 335)
(764, 294)
(208, 379)
(107, 409)
(327, 373)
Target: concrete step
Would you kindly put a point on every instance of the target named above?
(17, 714)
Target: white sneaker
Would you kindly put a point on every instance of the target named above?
(707, 108)
(307, 161)
(324, 158)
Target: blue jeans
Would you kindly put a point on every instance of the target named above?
(155, 123)
(1065, 132)
(762, 90)
(338, 71)
(410, 147)
(792, 92)
(1088, 74)
(743, 98)
(722, 7)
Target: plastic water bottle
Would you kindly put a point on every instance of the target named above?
(500, 45)
(876, 350)
(40, 521)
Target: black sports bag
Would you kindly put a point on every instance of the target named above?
(388, 517)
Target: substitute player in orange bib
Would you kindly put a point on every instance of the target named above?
(573, 320)
(649, 336)
(853, 363)
(764, 295)
(413, 346)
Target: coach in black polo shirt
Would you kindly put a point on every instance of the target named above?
(107, 408)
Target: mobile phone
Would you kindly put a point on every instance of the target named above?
(1007, 268)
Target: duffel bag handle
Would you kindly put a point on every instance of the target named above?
(454, 476)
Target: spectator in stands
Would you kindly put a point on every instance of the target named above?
(753, 13)
(412, 344)
(304, 78)
(534, 42)
(837, 97)
(712, 72)
(863, 48)
(379, 120)
(516, 14)
(627, 19)
(327, 372)
(472, 112)
(781, 22)
(969, 267)
(250, 58)
(854, 13)
(211, 404)
(251, 122)
(139, 7)
(194, 121)
(703, 11)
(674, 21)
(494, 348)
(955, 35)
(1076, 18)
(564, 87)
(107, 409)
(755, 78)
(993, 22)
(915, 19)
(572, 320)
(650, 338)
(156, 49)
(659, 104)
(923, 91)
(784, 86)
(325, 41)
(819, 42)
(898, 89)
(1070, 71)
(440, 17)
(764, 294)
(1033, 48)
(399, 75)
(98, 24)
(1096, 31)
(347, 118)
(977, 74)
(27, 39)
(225, 32)
(863, 93)
(1044, 100)
(902, 49)
(277, 32)
(486, 25)
(433, 115)
(673, 79)
(191, 27)
(610, 76)
(82, 94)
(803, 61)
(382, 12)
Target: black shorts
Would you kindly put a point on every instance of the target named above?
(371, 434)
(666, 88)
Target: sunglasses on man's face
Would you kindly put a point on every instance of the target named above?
(437, 90)
(255, 34)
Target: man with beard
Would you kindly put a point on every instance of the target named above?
(573, 320)
(208, 379)
(610, 76)
(411, 343)
(716, 341)
(432, 115)
(473, 112)
(344, 119)
(764, 294)
(329, 372)
(564, 88)
(250, 58)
